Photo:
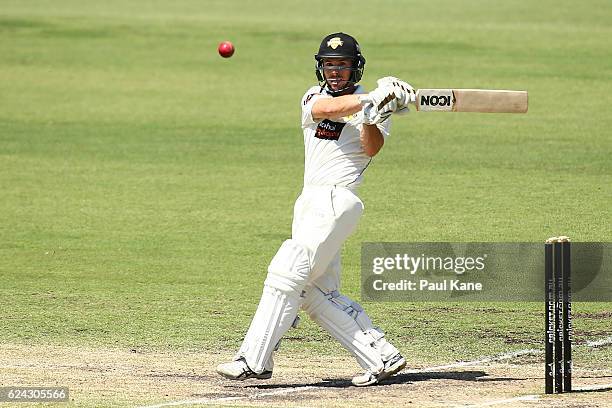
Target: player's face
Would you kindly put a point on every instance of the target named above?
(337, 72)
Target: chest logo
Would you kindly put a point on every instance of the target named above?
(329, 130)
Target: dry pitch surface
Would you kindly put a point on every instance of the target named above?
(113, 377)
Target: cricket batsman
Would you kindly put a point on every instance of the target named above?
(344, 128)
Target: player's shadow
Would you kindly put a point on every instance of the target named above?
(406, 378)
(587, 389)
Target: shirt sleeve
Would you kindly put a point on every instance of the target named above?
(310, 97)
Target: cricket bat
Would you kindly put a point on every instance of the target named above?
(470, 100)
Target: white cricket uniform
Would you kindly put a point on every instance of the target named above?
(334, 164)
(325, 214)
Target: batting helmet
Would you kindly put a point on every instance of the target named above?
(340, 45)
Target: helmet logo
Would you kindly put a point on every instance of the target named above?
(335, 43)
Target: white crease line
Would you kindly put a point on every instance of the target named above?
(593, 344)
(503, 401)
(598, 343)
(223, 399)
(534, 397)
(500, 357)
(283, 391)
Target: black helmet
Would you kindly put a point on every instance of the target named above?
(340, 45)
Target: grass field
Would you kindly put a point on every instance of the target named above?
(146, 182)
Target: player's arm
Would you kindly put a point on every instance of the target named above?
(387, 95)
(372, 139)
(330, 108)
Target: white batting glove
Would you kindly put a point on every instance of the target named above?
(391, 96)
(372, 116)
(380, 97)
(379, 104)
(402, 89)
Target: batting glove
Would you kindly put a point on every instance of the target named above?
(372, 116)
(402, 90)
(378, 105)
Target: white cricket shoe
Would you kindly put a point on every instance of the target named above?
(392, 366)
(239, 370)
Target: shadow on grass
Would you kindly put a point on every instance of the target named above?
(593, 389)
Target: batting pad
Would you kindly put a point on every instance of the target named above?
(351, 326)
(279, 305)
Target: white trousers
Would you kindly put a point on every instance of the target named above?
(324, 217)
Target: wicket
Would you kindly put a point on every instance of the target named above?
(558, 319)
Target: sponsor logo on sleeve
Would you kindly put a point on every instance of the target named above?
(309, 97)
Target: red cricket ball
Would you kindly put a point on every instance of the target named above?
(226, 49)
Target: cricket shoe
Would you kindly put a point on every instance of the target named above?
(392, 366)
(239, 370)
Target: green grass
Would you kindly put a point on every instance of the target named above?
(146, 182)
